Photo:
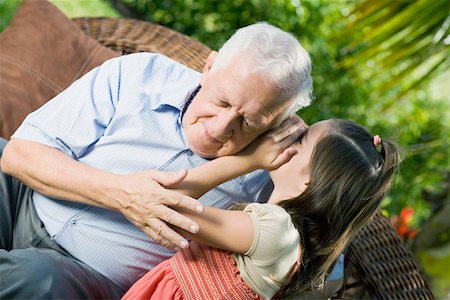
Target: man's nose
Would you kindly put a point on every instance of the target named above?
(225, 123)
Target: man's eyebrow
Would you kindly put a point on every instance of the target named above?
(218, 92)
(216, 95)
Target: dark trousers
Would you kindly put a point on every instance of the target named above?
(32, 265)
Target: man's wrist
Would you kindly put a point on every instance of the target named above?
(107, 191)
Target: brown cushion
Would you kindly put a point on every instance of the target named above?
(41, 53)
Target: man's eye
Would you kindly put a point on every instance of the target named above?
(245, 124)
(223, 103)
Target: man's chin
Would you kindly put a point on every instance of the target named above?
(208, 154)
(211, 154)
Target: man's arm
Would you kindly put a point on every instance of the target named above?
(70, 125)
(137, 196)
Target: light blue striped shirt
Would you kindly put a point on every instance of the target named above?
(124, 116)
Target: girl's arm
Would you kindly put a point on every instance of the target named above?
(201, 179)
(229, 229)
(269, 151)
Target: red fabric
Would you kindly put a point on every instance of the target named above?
(160, 283)
(199, 272)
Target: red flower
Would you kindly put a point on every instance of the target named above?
(402, 229)
(406, 215)
(402, 223)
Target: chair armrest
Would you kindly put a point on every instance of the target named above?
(385, 265)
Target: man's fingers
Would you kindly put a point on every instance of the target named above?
(164, 235)
(173, 217)
(158, 239)
(179, 200)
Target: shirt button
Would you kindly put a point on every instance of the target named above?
(73, 222)
(190, 153)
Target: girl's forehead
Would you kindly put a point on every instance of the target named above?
(321, 124)
(318, 129)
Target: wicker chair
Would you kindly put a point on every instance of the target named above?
(378, 264)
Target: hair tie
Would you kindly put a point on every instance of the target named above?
(376, 140)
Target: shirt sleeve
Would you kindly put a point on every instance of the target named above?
(77, 117)
(274, 234)
(273, 252)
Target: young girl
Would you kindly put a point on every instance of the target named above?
(322, 196)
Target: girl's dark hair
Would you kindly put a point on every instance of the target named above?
(349, 178)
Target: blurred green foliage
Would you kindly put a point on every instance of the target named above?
(403, 38)
(437, 263)
(86, 8)
(71, 8)
(7, 10)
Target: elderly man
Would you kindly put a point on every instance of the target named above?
(88, 214)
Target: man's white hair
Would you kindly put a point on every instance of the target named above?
(275, 54)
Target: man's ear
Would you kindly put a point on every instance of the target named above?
(208, 65)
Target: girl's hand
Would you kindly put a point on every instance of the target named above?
(272, 149)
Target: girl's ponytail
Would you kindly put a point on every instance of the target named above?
(392, 159)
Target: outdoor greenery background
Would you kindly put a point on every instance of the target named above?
(384, 64)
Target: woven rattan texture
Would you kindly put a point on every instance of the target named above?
(129, 36)
(385, 264)
(386, 267)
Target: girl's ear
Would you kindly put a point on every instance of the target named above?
(208, 65)
(304, 182)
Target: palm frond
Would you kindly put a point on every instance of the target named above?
(398, 36)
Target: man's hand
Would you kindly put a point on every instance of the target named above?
(147, 204)
(141, 197)
(271, 150)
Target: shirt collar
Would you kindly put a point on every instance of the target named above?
(182, 106)
(179, 98)
(186, 103)
(189, 100)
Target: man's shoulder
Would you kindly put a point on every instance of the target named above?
(149, 59)
(151, 66)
